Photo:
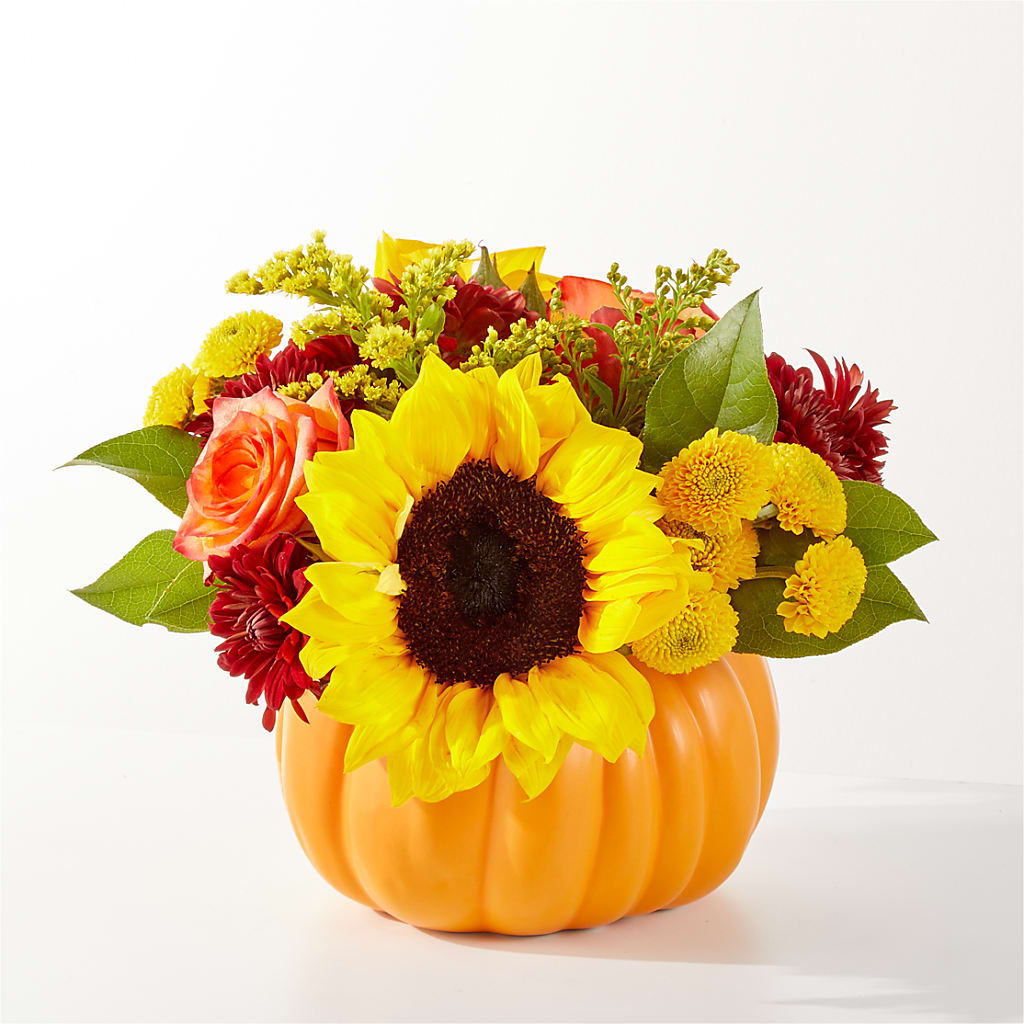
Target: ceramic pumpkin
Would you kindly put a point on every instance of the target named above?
(603, 841)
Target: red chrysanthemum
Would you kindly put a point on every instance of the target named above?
(470, 314)
(291, 363)
(837, 421)
(255, 588)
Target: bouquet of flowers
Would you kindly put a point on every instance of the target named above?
(469, 509)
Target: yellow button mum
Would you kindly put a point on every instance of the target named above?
(806, 492)
(728, 558)
(234, 345)
(716, 481)
(701, 633)
(491, 550)
(825, 589)
(170, 403)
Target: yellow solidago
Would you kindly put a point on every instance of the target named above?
(170, 403)
(701, 633)
(825, 589)
(727, 557)
(234, 345)
(377, 392)
(717, 480)
(806, 492)
(384, 346)
(512, 265)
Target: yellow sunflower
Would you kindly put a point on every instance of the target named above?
(492, 549)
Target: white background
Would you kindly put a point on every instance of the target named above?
(861, 162)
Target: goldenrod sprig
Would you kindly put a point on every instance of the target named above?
(377, 391)
(654, 331)
(312, 270)
(561, 344)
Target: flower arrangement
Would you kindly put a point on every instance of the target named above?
(467, 508)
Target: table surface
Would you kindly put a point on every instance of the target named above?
(150, 877)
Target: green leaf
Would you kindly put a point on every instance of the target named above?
(159, 458)
(780, 547)
(720, 380)
(884, 602)
(432, 320)
(153, 583)
(882, 525)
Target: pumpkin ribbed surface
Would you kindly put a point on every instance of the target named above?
(603, 841)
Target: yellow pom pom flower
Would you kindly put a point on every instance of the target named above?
(234, 345)
(170, 403)
(701, 633)
(717, 480)
(806, 492)
(491, 549)
(825, 589)
(728, 558)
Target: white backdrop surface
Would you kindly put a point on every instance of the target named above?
(862, 162)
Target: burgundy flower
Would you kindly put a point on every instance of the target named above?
(291, 363)
(468, 316)
(474, 310)
(255, 588)
(837, 421)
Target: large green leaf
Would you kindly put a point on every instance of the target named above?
(159, 458)
(780, 547)
(720, 380)
(153, 583)
(882, 525)
(884, 602)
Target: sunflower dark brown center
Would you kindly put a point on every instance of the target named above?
(494, 577)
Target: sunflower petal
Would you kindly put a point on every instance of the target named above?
(636, 542)
(606, 624)
(316, 618)
(531, 770)
(589, 704)
(353, 526)
(523, 717)
(372, 688)
(433, 424)
(592, 457)
(637, 688)
(372, 740)
(473, 730)
(353, 593)
(557, 409)
(517, 449)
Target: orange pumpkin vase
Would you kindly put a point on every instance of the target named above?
(602, 842)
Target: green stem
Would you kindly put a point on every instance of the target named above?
(314, 549)
(774, 572)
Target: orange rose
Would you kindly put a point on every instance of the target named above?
(243, 488)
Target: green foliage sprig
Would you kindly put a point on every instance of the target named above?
(654, 331)
(390, 339)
